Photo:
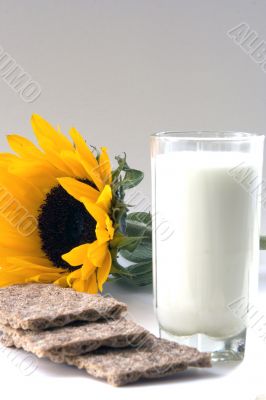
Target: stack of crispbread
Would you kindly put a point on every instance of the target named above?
(90, 332)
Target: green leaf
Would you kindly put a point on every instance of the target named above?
(124, 176)
(138, 223)
(119, 214)
(121, 241)
(139, 217)
(122, 166)
(122, 163)
(144, 280)
(140, 274)
(142, 252)
(140, 268)
(132, 178)
(114, 278)
(133, 231)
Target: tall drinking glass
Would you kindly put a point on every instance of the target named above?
(206, 194)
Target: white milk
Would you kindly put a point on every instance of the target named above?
(205, 264)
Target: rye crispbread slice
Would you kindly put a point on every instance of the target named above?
(157, 358)
(39, 306)
(42, 306)
(75, 339)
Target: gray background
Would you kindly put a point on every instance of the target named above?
(120, 70)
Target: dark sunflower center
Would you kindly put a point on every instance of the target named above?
(64, 223)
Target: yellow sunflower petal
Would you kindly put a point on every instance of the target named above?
(16, 263)
(54, 156)
(80, 285)
(102, 234)
(87, 159)
(97, 253)
(62, 281)
(104, 271)
(41, 261)
(72, 276)
(87, 269)
(19, 191)
(82, 148)
(105, 233)
(105, 198)
(92, 173)
(44, 278)
(95, 211)
(14, 242)
(92, 284)
(109, 226)
(43, 129)
(24, 147)
(83, 285)
(23, 272)
(6, 159)
(9, 278)
(42, 176)
(77, 255)
(73, 160)
(78, 189)
(105, 166)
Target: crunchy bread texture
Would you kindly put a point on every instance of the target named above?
(155, 359)
(75, 339)
(39, 306)
(27, 309)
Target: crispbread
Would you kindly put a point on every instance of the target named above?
(39, 306)
(155, 359)
(26, 309)
(76, 339)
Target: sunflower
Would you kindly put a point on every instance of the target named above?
(62, 212)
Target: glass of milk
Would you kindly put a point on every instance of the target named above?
(206, 195)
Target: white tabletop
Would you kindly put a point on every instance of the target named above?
(24, 375)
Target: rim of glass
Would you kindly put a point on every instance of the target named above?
(209, 135)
